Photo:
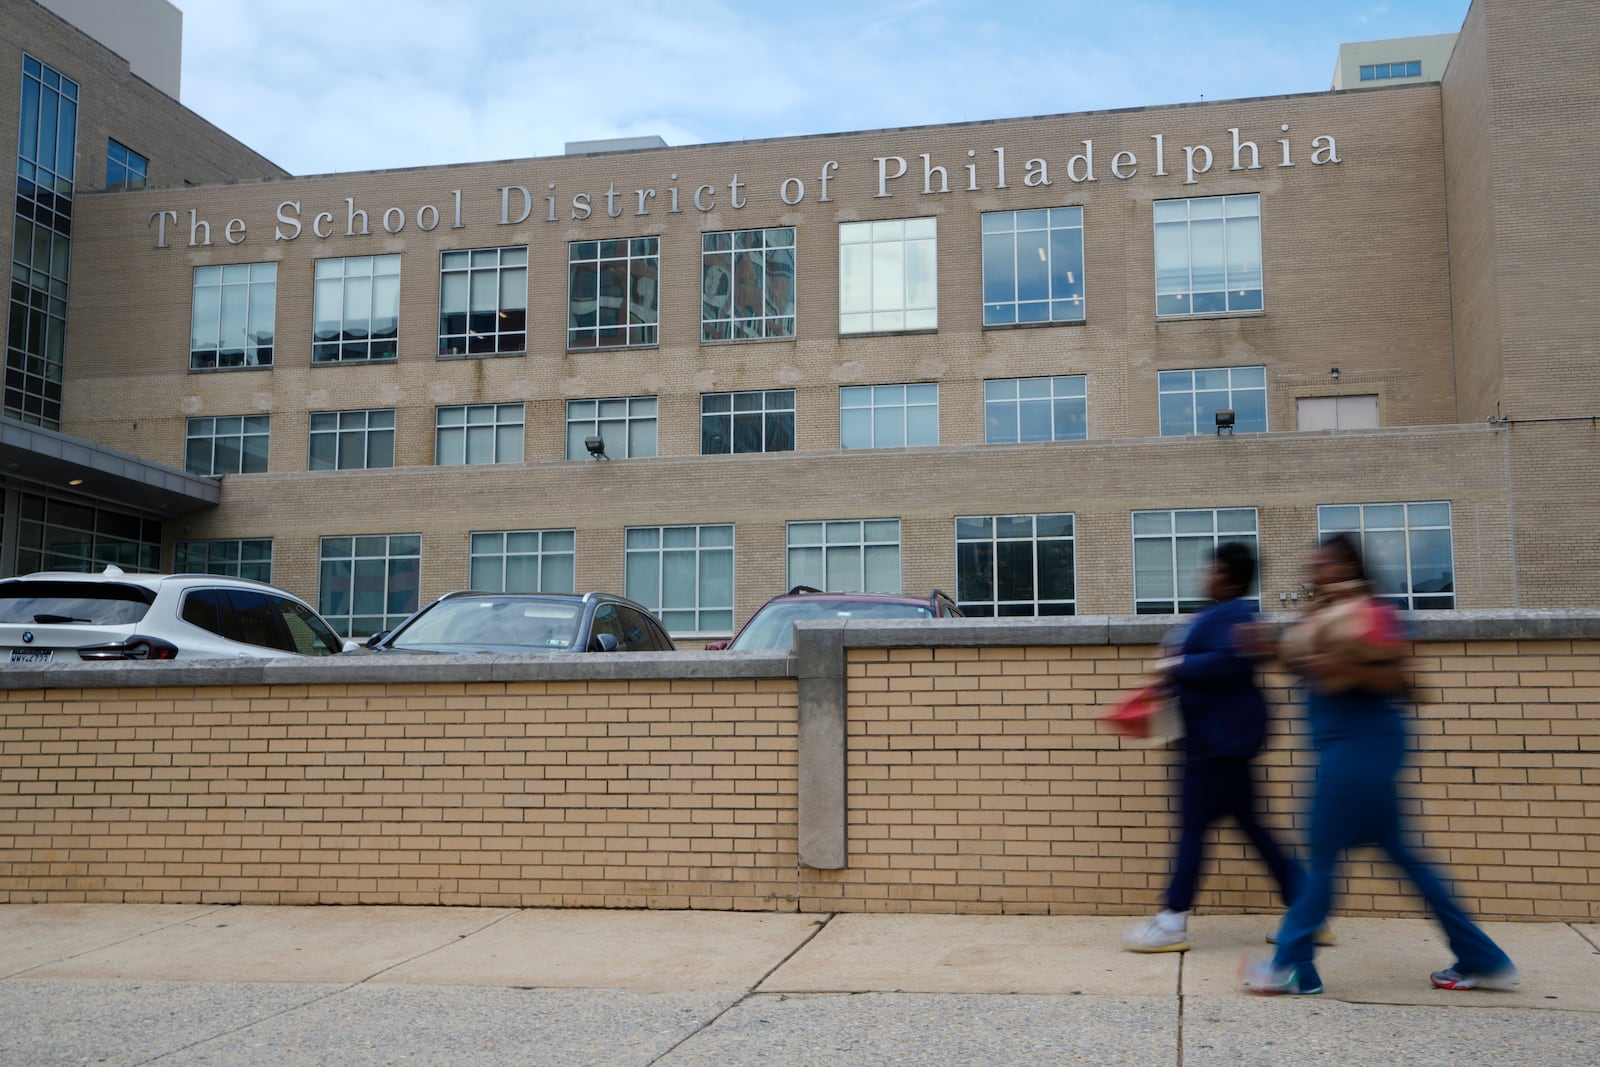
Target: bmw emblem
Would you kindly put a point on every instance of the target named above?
(27, 637)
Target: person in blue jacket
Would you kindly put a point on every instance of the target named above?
(1224, 727)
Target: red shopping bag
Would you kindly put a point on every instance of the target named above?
(1143, 714)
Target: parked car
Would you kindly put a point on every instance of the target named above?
(470, 621)
(772, 626)
(49, 617)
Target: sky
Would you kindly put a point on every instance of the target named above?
(322, 86)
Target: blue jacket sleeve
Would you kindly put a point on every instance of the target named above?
(1210, 655)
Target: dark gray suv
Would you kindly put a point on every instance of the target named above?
(474, 622)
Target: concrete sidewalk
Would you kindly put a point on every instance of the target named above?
(180, 984)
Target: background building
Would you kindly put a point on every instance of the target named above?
(1398, 59)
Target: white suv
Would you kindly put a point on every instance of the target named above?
(52, 617)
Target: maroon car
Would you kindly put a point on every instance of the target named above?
(772, 627)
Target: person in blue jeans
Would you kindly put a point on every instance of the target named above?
(1224, 727)
(1352, 692)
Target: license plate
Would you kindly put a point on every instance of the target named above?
(29, 655)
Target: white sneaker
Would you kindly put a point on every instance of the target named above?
(1148, 935)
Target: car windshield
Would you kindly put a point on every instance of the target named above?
(773, 626)
(491, 624)
(97, 603)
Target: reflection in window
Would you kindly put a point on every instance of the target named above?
(231, 321)
(845, 556)
(367, 584)
(889, 416)
(684, 574)
(1033, 266)
(523, 561)
(231, 444)
(747, 284)
(747, 422)
(1172, 551)
(1406, 549)
(888, 276)
(1208, 255)
(613, 292)
(125, 168)
(1190, 399)
(627, 425)
(357, 309)
(352, 440)
(1035, 409)
(1015, 565)
(478, 433)
(483, 301)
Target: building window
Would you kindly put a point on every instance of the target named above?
(41, 243)
(1190, 399)
(1208, 255)
(1336, 412)
(66, 535)
(1406, 548)
(478, 433)
(1015, 565)
(1379, 71)
(627, 425)
(1033, 266)
(231, 444)
(357, 309)
(888, 276)
(747, 422)
(125, 168)
(889, 416)
(684, 574)
(368, 584)
(237, 558)
(352, 440)
(845, 556)
(1172, 549)
(747, 285)
(483, 301)
(231, 321)
(613, 291)
(523, 561)
(1035, 409)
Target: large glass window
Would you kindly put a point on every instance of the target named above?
(613, 292)
(627, 425)
(231, 322)
(125, 168)
(369, 583)
(1033, 266)
(357, 309)
(1015, 565)
(235, 557)
(352, 440)
(1035, 409)
(747, 422)
(747, 284)
(1406, 549)
(230, 444)
(1190, 399)
(67, 535)
(684, 574)
(478, 433)
(523, 561)
(483, 301)
(1208, 255)
(889, 416)
(1172, 549)
(846, 555)
(888, 276)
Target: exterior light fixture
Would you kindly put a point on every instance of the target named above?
(596, 447)
(1225, 420)
(76, 481)
(1335, 373)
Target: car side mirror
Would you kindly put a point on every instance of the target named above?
(372, 642)
(604, 643)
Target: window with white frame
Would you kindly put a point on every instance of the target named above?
(684, 574)
(483, 301)
(230, 323)
(1033, 266)
(351, 440)
(747, 285)
(478, 433)
(747, 422)
(1190, 399)
(1208, 255)
(889, 416)
(228, 444)
(357, 309)
(613, 292)
(523, 561)
(845, 555)
(627, 425)
(1016, 565)
(1406, 548)
(247, 557)
(369, 583)
(1336, 412)
(888, 276)
(1173, 549)
(1035, 409)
